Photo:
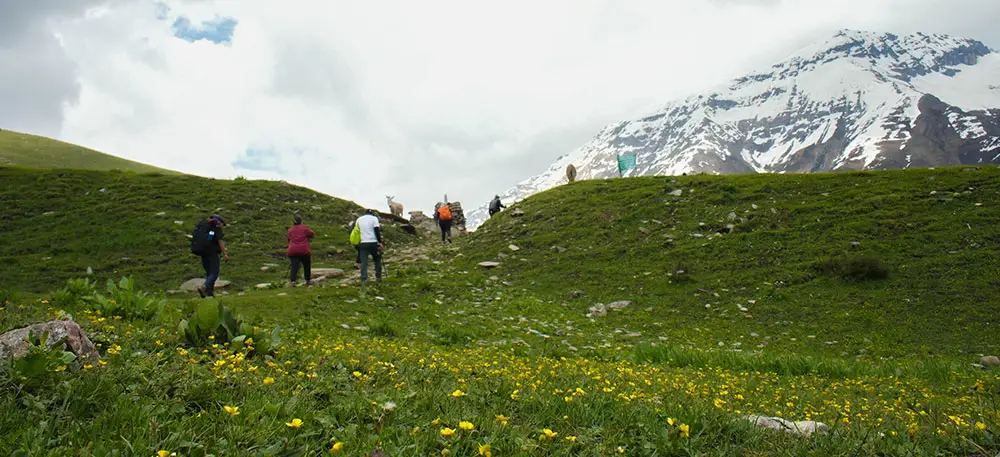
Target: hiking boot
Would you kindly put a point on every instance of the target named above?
(309, 283)
(291, 284)
(201, 291)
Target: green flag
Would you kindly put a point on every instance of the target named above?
(626, 162)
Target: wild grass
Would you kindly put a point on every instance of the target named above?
(21, 149)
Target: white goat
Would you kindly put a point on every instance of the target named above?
(395, 208)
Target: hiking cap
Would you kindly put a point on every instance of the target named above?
(220, 219)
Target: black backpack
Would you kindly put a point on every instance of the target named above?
(200, 244)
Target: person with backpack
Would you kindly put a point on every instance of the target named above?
(298, 250)
(370, 244)
(442, 213)
(207, 243)
(496, 206)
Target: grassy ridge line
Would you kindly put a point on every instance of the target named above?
(936, 231)
(22, 149)
(59, 222)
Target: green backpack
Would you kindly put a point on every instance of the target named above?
(356, 235)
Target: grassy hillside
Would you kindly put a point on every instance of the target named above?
(57, 223)
(22, 149)
(448, 358)
(786, 267)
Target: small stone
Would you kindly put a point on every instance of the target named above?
(265, 268)
(677, 192)
(732, 216)
(644, 230)
(263, 285)
(979, 204)
(161, 213)
(90, 270)
(513, 248)
(989, 361)
(489, 264)
(855, 243)
(774, 211)
(103, 189)
(753, 205)
(800, 428)
(517, 212)
(620, 304)
(559, 249)
(282, 294)
(178, 222)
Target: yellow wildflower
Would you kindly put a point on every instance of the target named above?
(671, 421)
(234, 410)
(547, 434)
(485, 451)
(268, 381)
(447, 432)
(685, 430)
(337, 447)
(503, 419)
(571, 438)
(295, 423)
(162, 453)
(980, 426)
(457, 394)
(465, 425)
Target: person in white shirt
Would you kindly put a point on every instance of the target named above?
(371, 244)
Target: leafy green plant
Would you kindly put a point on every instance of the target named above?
(125, 301)
(211, 322)
(42, 365)
(74, 292)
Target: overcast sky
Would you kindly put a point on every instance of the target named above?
(415, 99)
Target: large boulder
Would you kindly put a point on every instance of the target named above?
(65, 332)
(192, 285)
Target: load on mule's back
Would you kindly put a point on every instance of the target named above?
(396, 209)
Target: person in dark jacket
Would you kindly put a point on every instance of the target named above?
(496, 206)
(210, 255)
(298, 250)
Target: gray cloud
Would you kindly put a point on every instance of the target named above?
(36, 77)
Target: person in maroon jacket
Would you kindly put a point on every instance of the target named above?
(298, 250)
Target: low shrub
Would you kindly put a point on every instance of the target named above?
(74, 292)
(853, 269)
(210, 323)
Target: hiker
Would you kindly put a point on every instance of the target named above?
(367, 227)
(442, 214)
(298, 250)
(496, 206)
(207, 242)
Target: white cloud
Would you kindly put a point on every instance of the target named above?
(418, 99)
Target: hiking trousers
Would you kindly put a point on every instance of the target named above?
(445, 230)
(211, 264)
(366, 249)
(306, 262)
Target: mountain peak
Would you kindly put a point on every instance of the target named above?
(854, 100)
(903, 56)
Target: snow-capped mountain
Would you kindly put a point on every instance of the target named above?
(858, 100)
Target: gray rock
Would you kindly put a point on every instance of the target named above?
(989, 361)
(597, 310)
(677, 192)
(513, 248)
(644, 230)
(66, 332)
(263, 285)
(732, 216)
(559, 249)
(620, 304)
(517, 212)
(800, 428)
(191, 285)
(489, 264)
(326, 273)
